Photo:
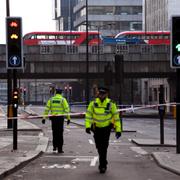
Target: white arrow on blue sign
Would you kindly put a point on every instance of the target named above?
(14, 61)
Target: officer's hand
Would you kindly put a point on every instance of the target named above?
(88, 130)
(118, 135)
(68, 122)
(43, 121)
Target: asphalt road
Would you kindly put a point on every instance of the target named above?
(126, 160)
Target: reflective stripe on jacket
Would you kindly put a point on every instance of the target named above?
(57, 105)
(101, 115)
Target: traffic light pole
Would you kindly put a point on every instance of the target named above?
(161, 113)
(9, 94)
(178, 111)
(15, 108)
(87, 57)
(14, 61)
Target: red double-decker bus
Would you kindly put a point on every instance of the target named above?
(61, 38)
(143, 37)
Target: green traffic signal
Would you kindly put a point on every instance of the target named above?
(178, 47)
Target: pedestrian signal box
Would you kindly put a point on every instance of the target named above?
(175, 42)
(14, 48)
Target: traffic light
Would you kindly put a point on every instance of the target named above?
(14, 49)
(15, 98)
(175, 42)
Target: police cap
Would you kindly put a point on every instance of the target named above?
(58, 91)
(103, 90)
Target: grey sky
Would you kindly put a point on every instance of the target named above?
(36, 15)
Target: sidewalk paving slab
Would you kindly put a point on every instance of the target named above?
(29, 147)
(167, 160)
(154, 142)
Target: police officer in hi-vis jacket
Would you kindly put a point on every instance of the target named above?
(100, 117)
(57, 105)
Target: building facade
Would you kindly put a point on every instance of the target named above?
(157, 14)
(111, 17)
(63, 14)
(157, 17)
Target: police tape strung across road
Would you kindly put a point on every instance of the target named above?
(130, 109)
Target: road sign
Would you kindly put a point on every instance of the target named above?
(175, 42)
(14, 49)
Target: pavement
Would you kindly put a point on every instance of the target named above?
(32, 143)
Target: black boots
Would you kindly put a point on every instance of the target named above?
(102, 170)
(59, 149)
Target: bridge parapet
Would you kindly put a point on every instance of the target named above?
(70, 61)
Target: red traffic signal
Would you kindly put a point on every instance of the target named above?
(13, 24)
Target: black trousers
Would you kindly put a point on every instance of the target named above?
(101, 137)
(57, 124)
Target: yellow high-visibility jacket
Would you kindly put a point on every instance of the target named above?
(102, 114)
(57, 105)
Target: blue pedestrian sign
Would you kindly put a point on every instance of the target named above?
(176, 60)
(15, 61)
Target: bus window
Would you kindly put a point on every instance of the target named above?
(32, 37)
(59, 36)
(155, 37)
(40, 36)
(166, 37)
(161, 36)
(51, 37)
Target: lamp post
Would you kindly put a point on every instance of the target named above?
(98, 28)
(145, 14)
(87, 57)
(69, 15)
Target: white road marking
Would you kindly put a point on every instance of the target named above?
(93, 161)
(115, 141)
(118, 142)
(91, 141)
(65, 166)
(139, 150)
(52, 156)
